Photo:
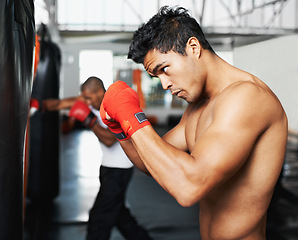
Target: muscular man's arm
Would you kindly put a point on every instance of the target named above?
(133, 155)
(169, 137)
(238, 120)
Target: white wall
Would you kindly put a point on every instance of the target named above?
(70, 73)
(276, 63)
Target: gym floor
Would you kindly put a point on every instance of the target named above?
(65, 218)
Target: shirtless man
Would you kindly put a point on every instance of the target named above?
(227, 151)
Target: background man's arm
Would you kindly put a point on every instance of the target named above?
(59, 104)
(104, 135)
(52, 104)
(81, 112)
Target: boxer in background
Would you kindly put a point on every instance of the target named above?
(227, 151)
(116, 170)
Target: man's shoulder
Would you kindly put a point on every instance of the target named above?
(249, 101)
(247, 92)
(248, 87)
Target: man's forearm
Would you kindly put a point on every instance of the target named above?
(104, 135)
(168, 165)
(133, 155)
(59, 104)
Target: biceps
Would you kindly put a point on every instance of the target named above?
(176, 137)
(220, 154)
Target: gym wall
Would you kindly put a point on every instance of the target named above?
(275, 62)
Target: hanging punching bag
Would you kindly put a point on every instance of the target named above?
(43, 171)
(17, 38)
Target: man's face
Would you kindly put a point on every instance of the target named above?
(93, 98)
(178, 73)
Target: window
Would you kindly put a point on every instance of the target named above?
(98, 63)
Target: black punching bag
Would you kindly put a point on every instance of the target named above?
(17, 39)
(43, 170)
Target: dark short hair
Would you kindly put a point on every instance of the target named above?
(168, 30)
(93, 84)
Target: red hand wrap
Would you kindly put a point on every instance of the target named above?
(82, 112)
(114, 126)
(35, 105)
(122, 104)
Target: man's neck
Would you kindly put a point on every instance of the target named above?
(220, 75)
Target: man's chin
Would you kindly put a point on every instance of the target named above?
(95, 107)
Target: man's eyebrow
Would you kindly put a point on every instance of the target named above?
(156, 68)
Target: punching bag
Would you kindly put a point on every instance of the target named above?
(17, 38)
(43, 170)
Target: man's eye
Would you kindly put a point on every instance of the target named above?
(165, 69)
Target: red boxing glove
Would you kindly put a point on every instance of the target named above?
(82, 112)
(114, 126)
(35, 105)
(122, 104)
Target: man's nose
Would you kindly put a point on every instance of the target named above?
(165, 82)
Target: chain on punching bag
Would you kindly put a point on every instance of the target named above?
(17, 31)
(43, 173)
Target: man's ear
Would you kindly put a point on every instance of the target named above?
(101, 92)
(193, 45)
